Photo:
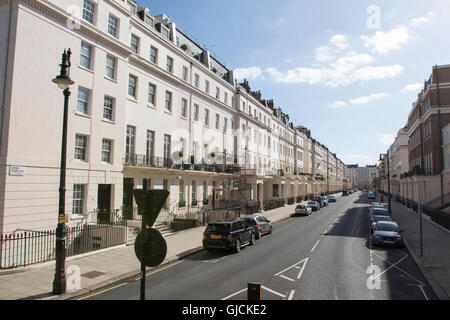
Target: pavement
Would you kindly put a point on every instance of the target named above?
(102, 268)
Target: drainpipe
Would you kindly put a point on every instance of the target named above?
(6, 75)
(441, 155)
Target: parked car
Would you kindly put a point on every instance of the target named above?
(325, 201)
(319, 200)
(259, 223)
(303, 209)
(314, 205)
(345, 193)
(230, 235)
(378, 212)
(377, 219)
(371, 195)
(387, 233)
(376, 204)
(332, 199)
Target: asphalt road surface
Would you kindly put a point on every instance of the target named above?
(325, 256)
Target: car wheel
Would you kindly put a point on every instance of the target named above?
(258, 235)
(270, 230)
(238, 246)
(252, 239)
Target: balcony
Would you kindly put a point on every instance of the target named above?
(140, 160)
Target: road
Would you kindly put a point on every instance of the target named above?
(325, 256)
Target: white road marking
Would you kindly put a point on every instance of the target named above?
(303, 268)
(234, 294)
(295, 264)
(395, 266)
(274, 292)
(286, 278)
(423, 291)
(315, 245)
(291, 295)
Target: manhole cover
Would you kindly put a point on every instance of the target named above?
(93, 274)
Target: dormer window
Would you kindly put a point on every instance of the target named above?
(148, 20)
(132, 8)
(165, 32)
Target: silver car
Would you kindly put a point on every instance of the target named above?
(303, 209)
(387, 233)
(377, 219)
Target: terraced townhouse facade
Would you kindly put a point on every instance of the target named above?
(150, 108)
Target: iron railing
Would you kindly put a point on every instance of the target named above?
(31, 247)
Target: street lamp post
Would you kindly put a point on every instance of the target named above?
(63, 81)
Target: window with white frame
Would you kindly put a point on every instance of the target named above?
(153, 55)
(88, 11)
(194, 190)
(168, 102)
(107, 148)
(197, 80)
(151, 94)
(169, 65)
(113, 25)
(217, 121)
(185, 73)
(78, 199)
(207, 86)
(83, 101)
(108, 108)
(206, 117)
(134, 43)
(217, 93)
(110, 67)
(81, 145)
(183, 108)
(196, 108)
(181, 191)
(132, 86)
(86, 55)
(132, 8)
(225, 99)
(148, 20)
(225, 124)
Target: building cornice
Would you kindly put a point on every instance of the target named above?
(56, 12)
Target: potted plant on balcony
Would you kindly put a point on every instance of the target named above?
(205, 201)
(184, 47)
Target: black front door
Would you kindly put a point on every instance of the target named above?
(128, 185)
(104, 203)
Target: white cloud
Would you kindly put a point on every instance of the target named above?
(250, 73)
(418, 21)
(386, 139)
(338, 104)
(341, 72)
(431, 13)
(369, 98)
(324, 54)
(340, 41)
(385, 42)
(360, 159)
(412, 87)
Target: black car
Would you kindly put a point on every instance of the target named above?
(230, 235)
(259, 223)
(345, 193)
(319, 200)
(314, 205)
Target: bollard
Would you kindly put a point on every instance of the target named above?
(254, 291)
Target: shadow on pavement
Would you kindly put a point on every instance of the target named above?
(39, 296)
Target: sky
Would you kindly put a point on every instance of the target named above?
(347, 70)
